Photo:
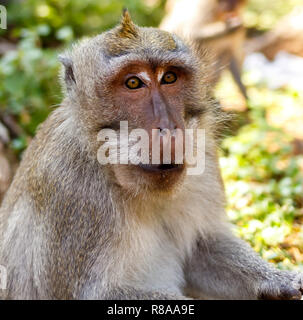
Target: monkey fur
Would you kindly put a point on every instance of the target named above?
(74, 229)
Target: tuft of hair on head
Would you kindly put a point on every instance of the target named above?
(127, 28)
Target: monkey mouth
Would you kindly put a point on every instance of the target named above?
(157, 168)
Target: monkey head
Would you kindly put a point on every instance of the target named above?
(146, 77)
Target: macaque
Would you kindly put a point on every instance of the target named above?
(72, 228)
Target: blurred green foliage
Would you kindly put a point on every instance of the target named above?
(28, 84)
(62, 20)
(263, 177)
(264, 181)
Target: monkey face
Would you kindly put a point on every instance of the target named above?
(149, 79)
(151, 98)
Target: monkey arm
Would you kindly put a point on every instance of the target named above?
(227, 268)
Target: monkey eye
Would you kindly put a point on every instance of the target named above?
(169, 77)
(133, 83)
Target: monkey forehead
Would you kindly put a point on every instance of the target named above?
(118, 44)
(151, 42)
(152, 58)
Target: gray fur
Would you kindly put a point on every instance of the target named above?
(70, 231)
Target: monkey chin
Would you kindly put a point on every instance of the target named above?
(157, 179)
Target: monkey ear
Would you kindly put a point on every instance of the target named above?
(68, 70)
(127, 28)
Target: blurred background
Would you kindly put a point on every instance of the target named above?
(258, 78)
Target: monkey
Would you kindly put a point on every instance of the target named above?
(72, 228)
(217, 25)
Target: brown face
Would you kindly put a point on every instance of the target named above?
(148, 78)
(151, 97)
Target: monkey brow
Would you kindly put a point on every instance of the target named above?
(180, 59)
